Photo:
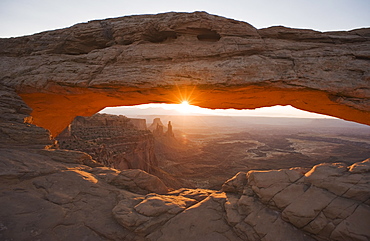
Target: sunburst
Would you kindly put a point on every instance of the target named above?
(185, 107)
(186, 96)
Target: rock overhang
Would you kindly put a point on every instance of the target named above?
(221, 63)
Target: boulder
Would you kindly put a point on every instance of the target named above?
(134, 180)
(151, 213)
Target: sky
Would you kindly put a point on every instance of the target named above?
(25, 17)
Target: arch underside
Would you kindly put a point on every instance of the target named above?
(55, 111)
(213, 61)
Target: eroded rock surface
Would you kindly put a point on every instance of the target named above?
(15, 123)
(118, 142)
(114, 141)
(42, 199)
(49, 194)
(213, 61)
(259, 205)
(330, 202)
(49, 199)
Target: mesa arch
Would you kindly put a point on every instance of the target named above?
(214, 61)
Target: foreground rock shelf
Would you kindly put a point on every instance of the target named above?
(51, 194)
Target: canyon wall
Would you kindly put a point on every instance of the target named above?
(114, 141)
(51, 194)
(208, 60)
(15, 127)
(118, 142)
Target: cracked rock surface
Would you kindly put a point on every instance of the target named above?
(51, 194)
(266, 205)
(330, 202)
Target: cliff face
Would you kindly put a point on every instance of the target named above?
(213, 61)
(51, 194)
(15, 127)
(115, 141)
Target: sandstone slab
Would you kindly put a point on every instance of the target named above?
(134, 180)
(159, 58)
(68, 196)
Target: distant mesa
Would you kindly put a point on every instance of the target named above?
(159, 129)
(111, 120)
(156, 124)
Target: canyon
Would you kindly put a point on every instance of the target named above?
(120, 142)
(48, 79)
(204, 151)
(207, 150)
(113, 141)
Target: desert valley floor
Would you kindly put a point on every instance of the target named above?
(209, 150)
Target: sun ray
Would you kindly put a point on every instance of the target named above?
(185, 107)
(186, 93)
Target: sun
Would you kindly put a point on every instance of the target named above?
(184, 107)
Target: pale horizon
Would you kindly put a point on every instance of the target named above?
(192, 110)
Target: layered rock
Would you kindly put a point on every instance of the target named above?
(16, 128)
(213, 61)
(50, 197)
(260, 205)
(114, 141)
(65, 199)
(330, 202)
(107, 120)
(118, 142)
(49, 194)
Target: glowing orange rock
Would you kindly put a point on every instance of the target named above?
(217, 62)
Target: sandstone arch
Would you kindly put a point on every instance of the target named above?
(214, 61)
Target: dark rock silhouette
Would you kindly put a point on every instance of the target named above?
(169, 132)
(159, 129)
